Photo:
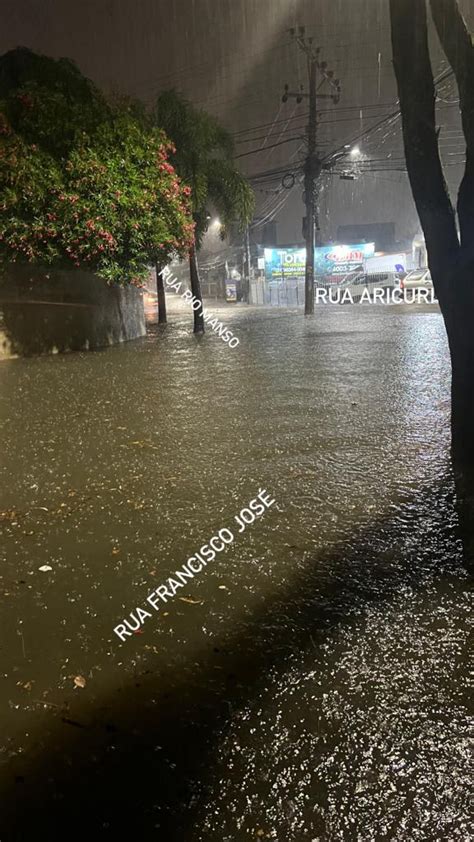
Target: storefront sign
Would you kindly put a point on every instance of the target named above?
(281, 264)
(230, 291)
(339, 260)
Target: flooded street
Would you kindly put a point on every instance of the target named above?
(309, 683)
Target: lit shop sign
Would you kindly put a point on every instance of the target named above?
(339, 260)
(284, 263)
(328, 260)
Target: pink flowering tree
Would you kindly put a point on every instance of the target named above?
(99, 195)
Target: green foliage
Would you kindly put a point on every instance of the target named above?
(204, 160)
(47, 101)
(83, 182)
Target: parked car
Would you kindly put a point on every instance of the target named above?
(353, 278)
(417, 279)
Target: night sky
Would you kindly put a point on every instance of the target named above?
(232, 57)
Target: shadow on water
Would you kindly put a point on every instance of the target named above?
(139, 760)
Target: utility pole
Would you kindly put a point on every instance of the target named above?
(313, 164)
(312, 169)
(246, 264)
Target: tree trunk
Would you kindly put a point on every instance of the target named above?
(451, 261)
(161, 296)
(196, 290)
(247, 264)
(459, 326)
(459, 321)
(462, 398)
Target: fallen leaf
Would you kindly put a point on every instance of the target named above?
(80, 681)
(27, 685)
(142, 443)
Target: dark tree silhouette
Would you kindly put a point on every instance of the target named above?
(450, 247)
(160, 289)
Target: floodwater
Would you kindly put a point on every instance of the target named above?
(310, 682)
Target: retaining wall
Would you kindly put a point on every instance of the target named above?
(45, 311)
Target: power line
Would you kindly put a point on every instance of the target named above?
(395, 114)
(273, 145)
(359, 108)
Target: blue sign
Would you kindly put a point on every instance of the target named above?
(230, 291)
(339, 260)
(328, 260)
(284, 263)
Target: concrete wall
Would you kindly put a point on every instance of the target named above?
(45, 311)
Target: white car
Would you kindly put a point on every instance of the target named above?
(418, 279)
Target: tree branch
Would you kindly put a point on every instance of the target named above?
(459, 50)
(416, 91)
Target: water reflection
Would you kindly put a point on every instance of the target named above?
(318, 648)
